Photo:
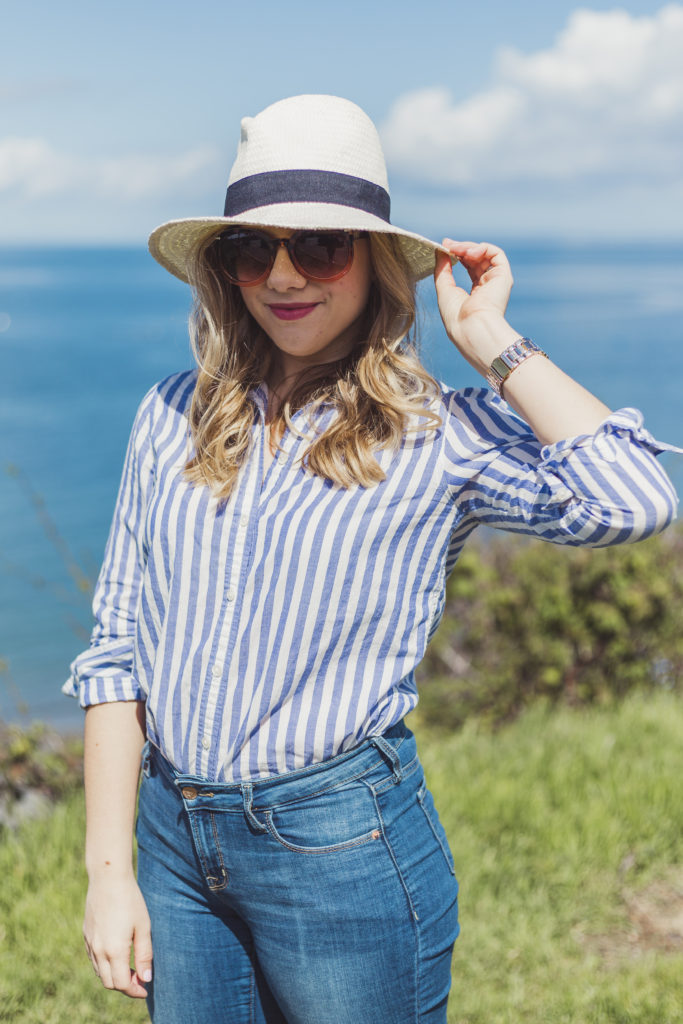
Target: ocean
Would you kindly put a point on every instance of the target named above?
(85, 332)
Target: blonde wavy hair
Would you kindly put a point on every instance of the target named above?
(380, 390)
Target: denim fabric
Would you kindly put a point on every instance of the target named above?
(322, 896)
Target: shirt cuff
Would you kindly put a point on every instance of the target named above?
(102, 690)
(624, 423)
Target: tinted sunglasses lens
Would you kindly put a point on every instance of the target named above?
(245, 256)
(322, 255)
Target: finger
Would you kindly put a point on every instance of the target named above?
(488, 257)
(142, 951)
(443, 266)
(453, 246)
(479, 254)
(121, 973)
(447, 291)
(135, 990)
(91, 957)
(464, 250)
(475, 258)
(103, 971)
(490, 267)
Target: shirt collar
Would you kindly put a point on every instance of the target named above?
(259, 394)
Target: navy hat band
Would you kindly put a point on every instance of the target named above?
(273, 187)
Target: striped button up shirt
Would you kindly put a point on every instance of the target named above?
(283, 626)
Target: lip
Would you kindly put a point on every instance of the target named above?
(292, 310)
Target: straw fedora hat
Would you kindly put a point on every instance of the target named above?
(304, 162)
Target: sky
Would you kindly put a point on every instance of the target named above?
(499, 120)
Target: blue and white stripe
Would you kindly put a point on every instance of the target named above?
(279, 628)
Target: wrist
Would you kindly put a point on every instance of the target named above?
(509, 360)
(109, 865)
(108, 875)
(485, 336)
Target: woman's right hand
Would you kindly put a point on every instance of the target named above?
(116, 918)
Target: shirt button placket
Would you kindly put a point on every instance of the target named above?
(218, 668)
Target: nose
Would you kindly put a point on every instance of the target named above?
(283, 274)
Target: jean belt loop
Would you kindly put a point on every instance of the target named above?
(247, 797)
(391, 755)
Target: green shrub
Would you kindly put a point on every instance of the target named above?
(38, 758)
(526, 620)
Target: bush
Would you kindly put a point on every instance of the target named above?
(36, 760)
(525, 620)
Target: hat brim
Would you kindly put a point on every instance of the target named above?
(174, 243)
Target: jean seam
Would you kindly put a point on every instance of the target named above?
(384, 784)
(324, 789)
(446, 853)
(349, 844)
(310, 769)
(217, 888)
(324, 764)
(414, 917)
(199, 849)
(286, 777)
(413, 912)
(387, 783)
(335, 785)
(198, 844)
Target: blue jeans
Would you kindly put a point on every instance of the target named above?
(323, 896)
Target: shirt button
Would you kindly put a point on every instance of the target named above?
(217, 669)
(244, 520)
(206, 743)
(231, 594)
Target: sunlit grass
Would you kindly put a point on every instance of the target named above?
(557, 823)
(45, 977)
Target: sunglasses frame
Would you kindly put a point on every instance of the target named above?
(274, 244)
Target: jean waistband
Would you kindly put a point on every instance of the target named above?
(394, 748)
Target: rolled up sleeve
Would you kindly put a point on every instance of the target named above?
(594, 489)
(104, 672)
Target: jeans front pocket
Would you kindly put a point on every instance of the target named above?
(328, 822)
(426, 802)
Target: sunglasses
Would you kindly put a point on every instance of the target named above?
(247, 256)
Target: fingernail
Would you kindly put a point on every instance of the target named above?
(147, 975)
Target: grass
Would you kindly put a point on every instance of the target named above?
(561, 826)
(566, 833)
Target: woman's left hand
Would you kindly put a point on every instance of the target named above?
(475, 320)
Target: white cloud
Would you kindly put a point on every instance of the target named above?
(35, 169)
(604, 102)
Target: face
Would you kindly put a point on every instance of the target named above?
(310, 322)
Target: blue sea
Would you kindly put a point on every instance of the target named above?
(85, 332)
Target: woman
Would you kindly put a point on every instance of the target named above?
(286, 521)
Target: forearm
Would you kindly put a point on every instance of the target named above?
(114, 737)
(553, 404)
